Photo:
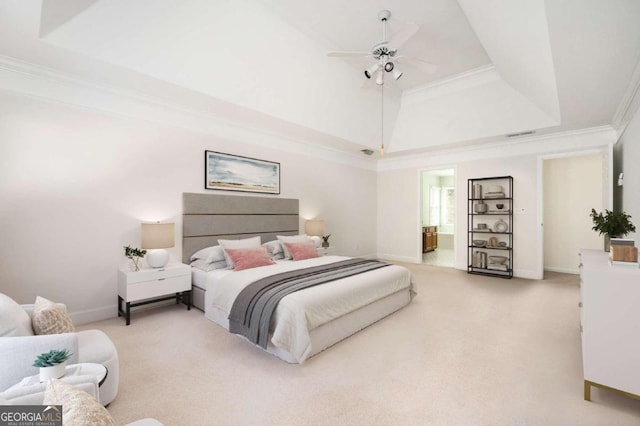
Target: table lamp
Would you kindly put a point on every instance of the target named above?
(314, 227)
(157, 237)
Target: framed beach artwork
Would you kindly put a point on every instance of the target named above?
(235, 173)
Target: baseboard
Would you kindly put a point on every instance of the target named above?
(92, 315)
(405, 259)
(111, 311)
(574, 271)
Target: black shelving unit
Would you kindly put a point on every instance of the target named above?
(490, 226)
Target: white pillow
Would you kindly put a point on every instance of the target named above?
(14, 321)
(317, 240)
(274, 248)
(252, 242)
(203, 265)
(209, 254)
(291, 239)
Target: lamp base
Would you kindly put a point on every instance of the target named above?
(157, 258)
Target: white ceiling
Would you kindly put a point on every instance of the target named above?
(505, 66)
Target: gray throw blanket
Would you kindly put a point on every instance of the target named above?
(251, 312)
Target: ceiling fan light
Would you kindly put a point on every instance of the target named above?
(371, 70)
(380, 79)
(397, 74)
(388, 67)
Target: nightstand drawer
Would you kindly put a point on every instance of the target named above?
(171, 270)
(155, 288)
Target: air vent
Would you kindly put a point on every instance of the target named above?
(367, 151)
(513, 135)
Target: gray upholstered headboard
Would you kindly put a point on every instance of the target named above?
(207, 217)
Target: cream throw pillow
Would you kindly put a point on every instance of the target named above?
(78, 407)
(50, 318)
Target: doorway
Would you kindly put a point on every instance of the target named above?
(573, 185)
(438, 216)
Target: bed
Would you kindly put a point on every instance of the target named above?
(304, 322)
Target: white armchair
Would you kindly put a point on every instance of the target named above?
(19, 348)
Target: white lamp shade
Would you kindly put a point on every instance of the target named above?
(314, 227)
(157, 235)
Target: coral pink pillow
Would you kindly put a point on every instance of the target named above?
(301, 251)
(249, 258)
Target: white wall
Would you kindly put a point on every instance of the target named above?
(629, 147)
(572, 187)
(398, 208)
(75, 186)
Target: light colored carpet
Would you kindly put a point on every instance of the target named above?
(467, 350)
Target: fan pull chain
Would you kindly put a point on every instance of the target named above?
(382, 120)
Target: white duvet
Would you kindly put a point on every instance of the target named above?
(300, 312)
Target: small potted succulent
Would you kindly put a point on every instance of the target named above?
(325, 240)
(52, 364)
(136, 255)
(611, 225)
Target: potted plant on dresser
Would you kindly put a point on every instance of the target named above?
(611, 225)
(52, 364)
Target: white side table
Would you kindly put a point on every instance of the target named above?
(83, 369)
(135, 288)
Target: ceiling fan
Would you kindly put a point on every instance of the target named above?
(386, 50)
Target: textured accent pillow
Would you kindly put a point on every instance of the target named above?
(291, 239)
(50, 318)
(249, 258)
(14, 321)
(301, 251)
(252, 242)
(203, 265)
(209, 254)
(78, 407)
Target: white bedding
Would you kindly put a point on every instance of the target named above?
(299, 313)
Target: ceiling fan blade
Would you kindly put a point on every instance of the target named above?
(423, 66)
(403, 36)
(349, 54)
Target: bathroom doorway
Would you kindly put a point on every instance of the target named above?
(438, 216)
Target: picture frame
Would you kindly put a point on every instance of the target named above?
(228, 172)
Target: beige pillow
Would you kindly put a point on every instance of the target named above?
(50, 318)
(78, 407)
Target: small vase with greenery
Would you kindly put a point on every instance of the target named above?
(325, 240)
(611, 224)
(136, 255)
(52, 364)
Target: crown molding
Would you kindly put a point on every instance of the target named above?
(567, 141)
(629, 104)
(51, 85)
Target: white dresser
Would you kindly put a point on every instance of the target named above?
(610, 323)
(171, 281)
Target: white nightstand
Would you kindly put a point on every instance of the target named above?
(324, 251)
(153, 283)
